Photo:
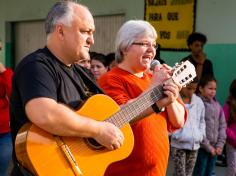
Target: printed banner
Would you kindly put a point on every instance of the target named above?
(173, 20)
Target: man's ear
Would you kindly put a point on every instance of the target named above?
(60, 31)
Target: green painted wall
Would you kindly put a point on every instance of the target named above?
(8, 55)
(223, 57)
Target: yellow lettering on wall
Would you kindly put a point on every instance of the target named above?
(173, 20)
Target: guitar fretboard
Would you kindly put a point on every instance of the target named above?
(130, 111)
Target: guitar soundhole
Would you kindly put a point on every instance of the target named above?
(94, 144)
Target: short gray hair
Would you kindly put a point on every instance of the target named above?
(61, 12)
(129, 32)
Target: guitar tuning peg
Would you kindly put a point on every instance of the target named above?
(175, 66)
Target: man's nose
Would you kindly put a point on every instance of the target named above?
(90, 39)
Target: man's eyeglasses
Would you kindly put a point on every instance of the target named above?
(146, 44)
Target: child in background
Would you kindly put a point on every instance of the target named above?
(214, 141)
(230, 116)
(99, 64)
(186, 141)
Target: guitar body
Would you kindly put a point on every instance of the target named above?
(38, 151)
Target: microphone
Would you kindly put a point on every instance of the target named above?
(153, 64)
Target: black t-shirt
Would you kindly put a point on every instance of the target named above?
(41, 74)
(207, 65)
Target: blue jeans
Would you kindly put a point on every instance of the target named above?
(5, 152)
(205, 163)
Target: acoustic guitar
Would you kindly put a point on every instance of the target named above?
(45, 154)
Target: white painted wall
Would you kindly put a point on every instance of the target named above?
(216, 19)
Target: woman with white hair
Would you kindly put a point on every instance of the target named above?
(135, 49)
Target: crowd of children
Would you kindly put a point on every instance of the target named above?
(195, 147)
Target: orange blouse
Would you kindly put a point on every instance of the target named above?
(151, 145)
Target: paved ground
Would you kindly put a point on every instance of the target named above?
(219, 171)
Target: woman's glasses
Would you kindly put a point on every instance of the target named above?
(146, 44)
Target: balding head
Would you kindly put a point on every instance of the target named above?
(69, 27)
(62, 12)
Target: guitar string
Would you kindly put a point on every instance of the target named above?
(137, 107)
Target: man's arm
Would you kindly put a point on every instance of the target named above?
(44, 112)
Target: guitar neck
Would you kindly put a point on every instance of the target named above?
(132, 110)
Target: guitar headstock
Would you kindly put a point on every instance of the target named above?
(183, 73)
